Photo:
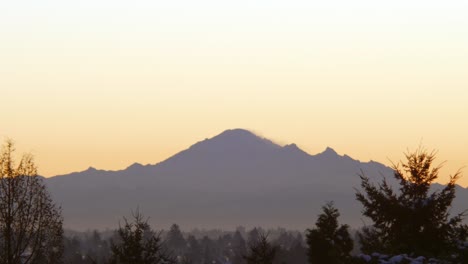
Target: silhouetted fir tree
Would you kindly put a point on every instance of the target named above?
(138, 244)
(297, 252)
(72, 252)
(97, 248)
(370, 240)
(239, 247)
(412, 220)
(194, 251)
(283, 244)
(463, 255)
(175, 241)
(261, 251)
(329, 242)
(253, 236)
(285, 240)
(208, 251)
(226, 246)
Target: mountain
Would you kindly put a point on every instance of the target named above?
(235, 178)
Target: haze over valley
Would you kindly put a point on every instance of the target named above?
(234, 132)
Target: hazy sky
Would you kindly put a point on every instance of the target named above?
(109, 83)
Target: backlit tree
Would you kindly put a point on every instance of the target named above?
(412, 219)
(30, 223)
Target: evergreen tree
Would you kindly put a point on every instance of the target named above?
(261, 252)
(208, 251)
(175, 241)
(297, 252)
(239, 248)
(194, 251)
(226, 252)
(72, 250)
(285, 240)
(412, 220)
(329, 242)
(138, 244)
(98, 249)
(253, 236)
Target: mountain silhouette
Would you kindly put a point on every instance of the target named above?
(235, 178)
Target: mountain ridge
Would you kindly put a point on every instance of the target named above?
(246, 133)
(234, 178)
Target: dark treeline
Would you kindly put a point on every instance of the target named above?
(196, 246)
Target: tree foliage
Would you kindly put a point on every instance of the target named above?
(329, 242)
(239, 248)
(138, 244)
(30, 223)
(176, 241)
(413, 219)
(193, 254)
(261, 251)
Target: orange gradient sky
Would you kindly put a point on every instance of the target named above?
(108, 83)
